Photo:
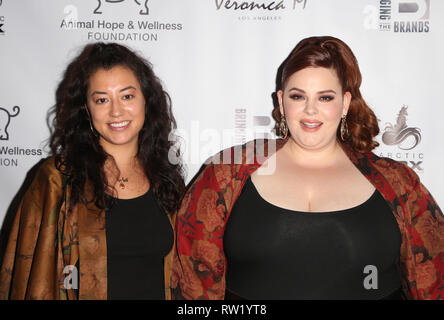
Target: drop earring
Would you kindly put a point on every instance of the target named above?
(283, 129)
(344, 128)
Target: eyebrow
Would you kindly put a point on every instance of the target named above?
(101, 92)
(321, 92)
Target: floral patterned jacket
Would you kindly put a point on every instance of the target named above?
(46, 239)
(199, 264)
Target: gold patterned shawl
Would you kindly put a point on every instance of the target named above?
(46, 238)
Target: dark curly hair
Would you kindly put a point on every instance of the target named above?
(330, 52)
(78, 153)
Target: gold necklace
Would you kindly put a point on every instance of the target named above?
(122, 182)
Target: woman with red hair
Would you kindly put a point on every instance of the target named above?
(314, 214)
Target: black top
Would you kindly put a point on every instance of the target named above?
(275, 253)
(139, 236)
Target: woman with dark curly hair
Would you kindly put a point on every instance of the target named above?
(315, 214)
(97, 221)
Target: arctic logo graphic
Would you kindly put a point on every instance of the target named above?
(5, 118)
(398, 133)
(144, 11)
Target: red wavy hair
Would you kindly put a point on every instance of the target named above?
(330, 52)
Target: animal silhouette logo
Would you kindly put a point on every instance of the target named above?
(398, 133)
(144, 11)
(5, 119)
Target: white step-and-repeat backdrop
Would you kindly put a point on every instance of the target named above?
(218, 60)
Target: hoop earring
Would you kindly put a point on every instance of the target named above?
(344, 128)
(90, 123)
(283, 129)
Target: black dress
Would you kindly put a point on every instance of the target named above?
(275, 253)
(139, 236)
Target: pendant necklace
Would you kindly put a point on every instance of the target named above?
(122, 182)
